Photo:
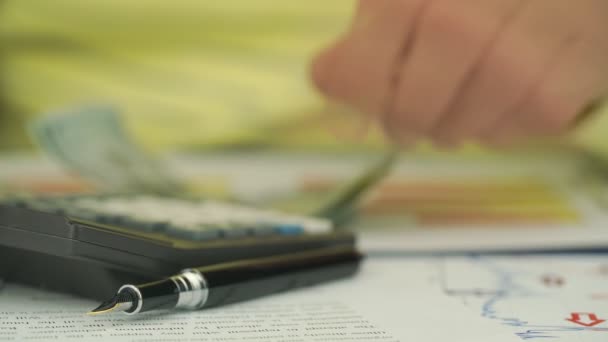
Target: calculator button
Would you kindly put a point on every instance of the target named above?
(236, 232)
(315, 226)
(196, 233)
(289, 229)
(263, 230)
(148, 227)
(159, 226)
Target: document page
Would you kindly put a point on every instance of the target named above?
(556, 297)
(389, 300)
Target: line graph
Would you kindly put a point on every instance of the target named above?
(540, 297)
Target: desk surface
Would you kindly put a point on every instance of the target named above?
(393, 299)
(501, 298)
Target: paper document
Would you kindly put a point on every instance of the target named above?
(561, 298)
(390, 300)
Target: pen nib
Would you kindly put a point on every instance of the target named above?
(120, 301)
(107, 306)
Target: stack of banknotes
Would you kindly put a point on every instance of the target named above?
(91, 142)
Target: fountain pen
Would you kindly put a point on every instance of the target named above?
(236, 281)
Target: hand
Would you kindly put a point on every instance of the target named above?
(488, 70)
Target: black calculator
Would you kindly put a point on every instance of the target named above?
(89, 245)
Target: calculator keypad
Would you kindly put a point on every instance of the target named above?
(180, 218)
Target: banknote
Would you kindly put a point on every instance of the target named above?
(92, 142)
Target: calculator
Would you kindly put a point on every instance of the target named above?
(89, 245)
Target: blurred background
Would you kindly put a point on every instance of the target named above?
(190, 77)
(185, 73)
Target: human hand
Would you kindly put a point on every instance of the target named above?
(489, 70)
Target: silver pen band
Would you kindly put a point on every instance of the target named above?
(127, 307)
(193, 290)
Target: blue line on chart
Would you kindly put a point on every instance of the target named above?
(506, 289)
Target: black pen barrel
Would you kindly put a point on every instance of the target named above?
(240, 281)
(236, 281)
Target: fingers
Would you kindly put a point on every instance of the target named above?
(487, 69)
(574, 81)
(515, 65)
(554, 106)
(357, 70)
(450, 38)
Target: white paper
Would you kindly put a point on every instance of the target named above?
(557, 298)
(390, 300)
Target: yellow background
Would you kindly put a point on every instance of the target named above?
(185, 73)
